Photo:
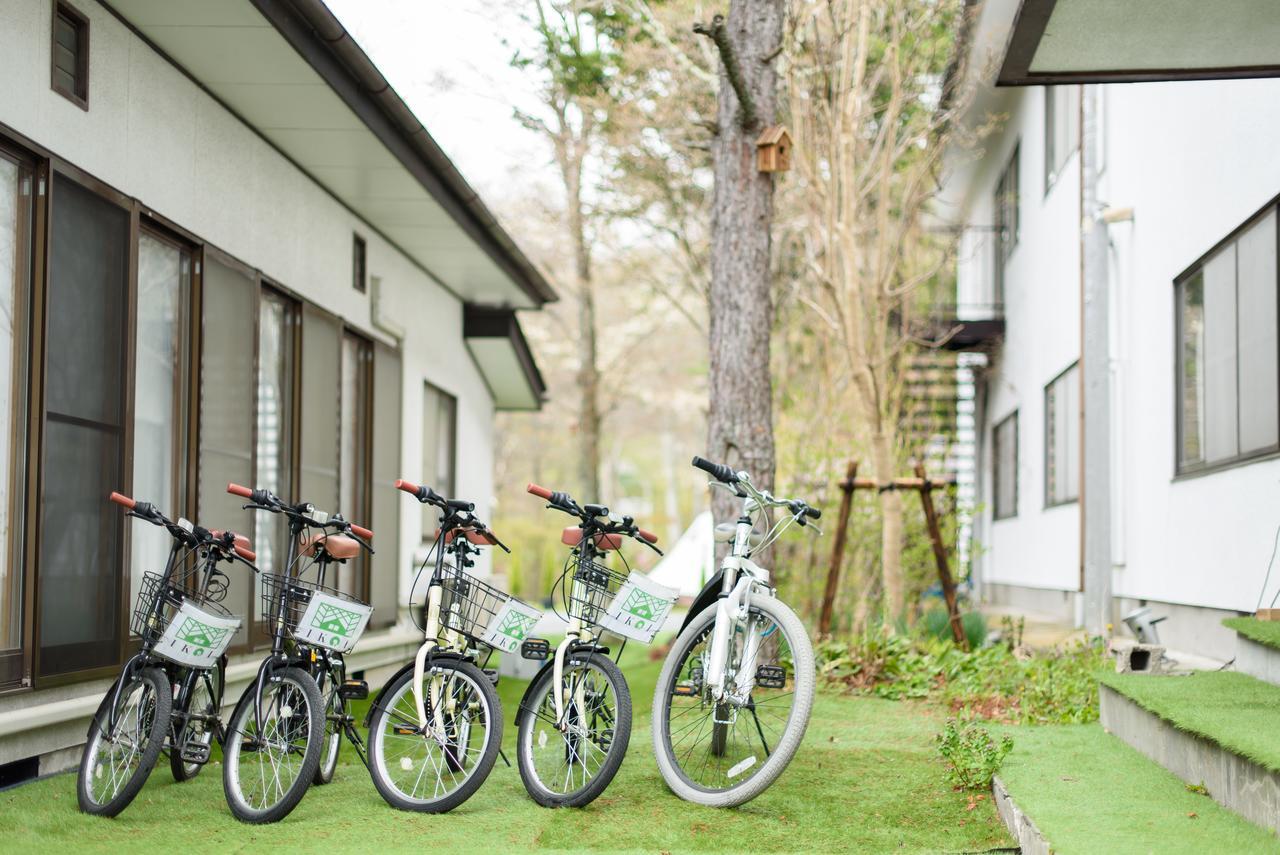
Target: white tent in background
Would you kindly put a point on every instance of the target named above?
(691, 560)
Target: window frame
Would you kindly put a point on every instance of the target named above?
(362, 513)
(1049, 501)
(996, 514)
(81, 22)
(430, 515)
(1181, 469)
(1052, 169)
(359, 263)
(1007, 239)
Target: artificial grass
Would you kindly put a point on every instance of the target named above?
(1088, 792)
(1266, 632)
(867, 779)
(1228, 708)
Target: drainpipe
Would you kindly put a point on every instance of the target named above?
(1095, 382)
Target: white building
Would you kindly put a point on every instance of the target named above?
(1187, 191)
(228, 252)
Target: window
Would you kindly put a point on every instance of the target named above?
(17, 176)
(353, 501)
(1006, 211)
(387, 501)
(160, 399)
(1004, 458)
(439, 449)
(359, 271)
(273, 461)
(1062, 438)
(80, 566)
(1228, 353)
(70, 59)
(1061, 129)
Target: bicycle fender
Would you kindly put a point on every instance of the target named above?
(706, 598)
(574, 652)
(377, 700)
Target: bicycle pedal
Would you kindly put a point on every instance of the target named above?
(685, 690)
(196, 752)
(492, 674)
(771, 677)
(535, 648)
(353, 690)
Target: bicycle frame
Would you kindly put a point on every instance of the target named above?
(576, 634)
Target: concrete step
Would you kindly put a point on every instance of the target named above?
(1213, 729)
(1257, 647)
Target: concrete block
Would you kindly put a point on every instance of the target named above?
(1139, 658)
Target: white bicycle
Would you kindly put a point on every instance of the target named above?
(735, 693)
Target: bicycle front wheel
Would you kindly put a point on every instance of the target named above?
(725, 753)
(268, 765)
(120, 755)
(568, 762)
(435, 770)
(335, 713)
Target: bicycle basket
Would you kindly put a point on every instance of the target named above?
(183, 626)
(314, 614)
(483, 613)
(589, 589)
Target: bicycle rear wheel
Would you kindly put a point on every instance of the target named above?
(118, 758)
(202, 707)
(569, 763)
(724, 754)
(266, 770)
(335, 712)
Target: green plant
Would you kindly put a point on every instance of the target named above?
(936, 623)
(973, 755)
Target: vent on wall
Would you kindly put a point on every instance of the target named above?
(70, 60)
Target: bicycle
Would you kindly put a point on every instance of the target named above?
(742, 656)
(430, 750)
(277, 734)
(574, 722)
(171, 690)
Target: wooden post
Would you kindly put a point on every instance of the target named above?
(940, 554)
(837, 550)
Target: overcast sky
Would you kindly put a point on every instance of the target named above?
(448, 61)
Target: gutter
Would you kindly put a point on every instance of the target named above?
(321, 40)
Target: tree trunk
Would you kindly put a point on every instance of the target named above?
(890, 528)
(740, 422)
(588, 367)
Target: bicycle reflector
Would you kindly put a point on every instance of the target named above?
(353, 690)
(535, 648)
(771, 677)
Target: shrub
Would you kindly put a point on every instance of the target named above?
(972, 754)
(936, 623)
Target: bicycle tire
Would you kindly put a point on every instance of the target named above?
(398, 701)
(797, 721)
(304, 687)
(617, 750)
(334, 705)
(152, 679)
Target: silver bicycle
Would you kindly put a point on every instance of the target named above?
(735, 693)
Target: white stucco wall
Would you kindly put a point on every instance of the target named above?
(154, 135)
(1194, 161)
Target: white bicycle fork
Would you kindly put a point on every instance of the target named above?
(731, 611)
(419, 664)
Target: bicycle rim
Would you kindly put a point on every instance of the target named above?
(117, 756)
(566, 760)
(264, 766)
(426, 768)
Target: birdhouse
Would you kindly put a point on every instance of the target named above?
(773, 149)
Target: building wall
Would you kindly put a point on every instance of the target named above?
(153, 134)
(1194, 161)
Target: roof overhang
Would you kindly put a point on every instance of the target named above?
(499, 348)
(289, 71)
(1127, 41)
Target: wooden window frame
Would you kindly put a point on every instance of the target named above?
(1012, 512)
(81, 23)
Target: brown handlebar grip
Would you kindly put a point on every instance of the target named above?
(362, 531)
(407, 486)
(540, 492)
(122, 500)
(247, 554)
(647, 535)
(237, 490)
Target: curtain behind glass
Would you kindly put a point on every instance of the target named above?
(384, 577)
(354, 443)
(1259, 407)
(274, 420)
(15, 210)
(1221, 438)
(163, 277)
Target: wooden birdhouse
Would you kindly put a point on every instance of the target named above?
(773, 149)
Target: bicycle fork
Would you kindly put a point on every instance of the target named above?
(731, 611)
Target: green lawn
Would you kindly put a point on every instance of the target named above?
(1234, 710)
(867, 779)
(1089, 792)
(1262, 631)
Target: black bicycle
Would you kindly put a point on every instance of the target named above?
(170, 692)
(574, 722)
(279, 731)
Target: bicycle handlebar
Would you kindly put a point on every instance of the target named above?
(742, 486)
(430, 497)
(266, 501)
(122, 500)
(592, 514)
(719, 471)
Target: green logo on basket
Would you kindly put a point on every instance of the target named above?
(643, 605)
(516, 625)
(199, 634)
(336, 621)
